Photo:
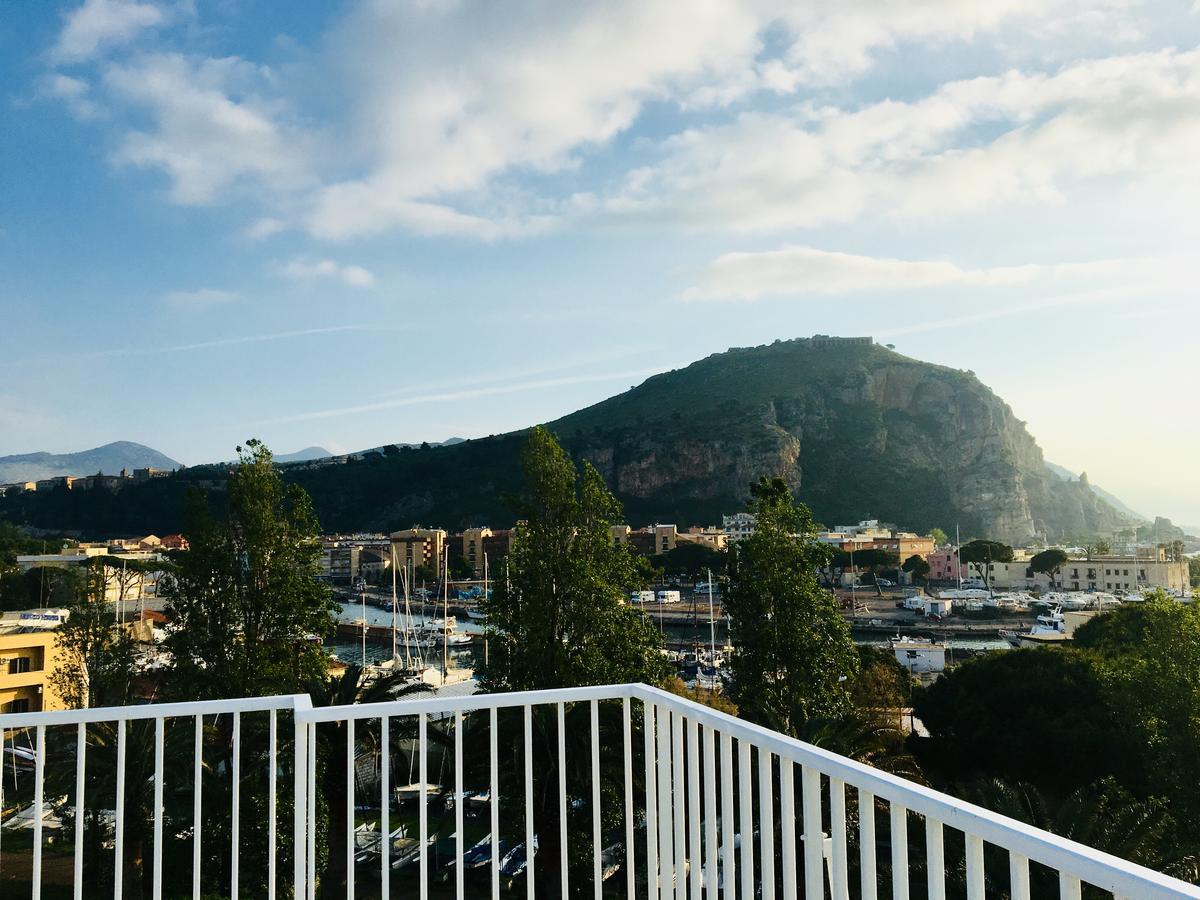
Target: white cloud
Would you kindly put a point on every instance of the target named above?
(100, 25)
(199, 298)
(74, 92)
(443, 109)
(968, 146)
(301, 269)
(214, 126)
(800, 271)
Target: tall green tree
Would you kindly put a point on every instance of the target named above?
(918, 567)
(794, 653)
(982, 555)
(559, 616)
(96, 656)
(1049, 562)
(873, 559)
(249, 610)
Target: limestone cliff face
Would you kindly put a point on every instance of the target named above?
(859, 431)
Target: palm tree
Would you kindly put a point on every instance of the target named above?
(353, 686)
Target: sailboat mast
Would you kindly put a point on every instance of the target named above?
(394, 602)
(446, 616)
(486, 601)
(712, 626)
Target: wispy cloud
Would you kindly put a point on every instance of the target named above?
(802, 271)
(100, 25)
(468, 394)
(199, 298)
(302, 269)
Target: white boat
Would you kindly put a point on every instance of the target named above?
(1049, 626)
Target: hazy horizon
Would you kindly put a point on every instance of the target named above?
(372, 222)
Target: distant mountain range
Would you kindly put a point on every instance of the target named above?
(303, 455)
(857, 430)
(109, 459)
(1111, 499)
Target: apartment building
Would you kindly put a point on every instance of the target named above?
(738, 526)
(417, 546)
(28, 656)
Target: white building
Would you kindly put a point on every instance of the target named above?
(919, 655)
(738, 526)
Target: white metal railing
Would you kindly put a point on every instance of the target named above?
(699, 804)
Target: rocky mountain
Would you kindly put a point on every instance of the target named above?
(1109, 498)
(858, 431)
(109, 459)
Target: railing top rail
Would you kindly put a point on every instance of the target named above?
(1090, 865)
(468, 703)
(154, 711)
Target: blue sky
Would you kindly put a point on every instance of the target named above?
(353, 223)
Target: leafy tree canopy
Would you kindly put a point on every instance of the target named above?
(691, 560)
(559, 618)
(249, 610)
(1049, 561)
(793, 651)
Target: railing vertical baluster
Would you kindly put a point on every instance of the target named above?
(494, 797)
(1069, 887)
(160, 725)
(695, 869)
(728, 866)
(422, 800)
(236, 827)
(458, 803)
(935, 859)
(666, 845)
(814, 836)
(710, 813)
(39, 788)
(597, 874)
(385, 808)
(2, 777)
(677, 812)
(627, 735)
(272, 801)
(868, 877)
(745, 818)
(80, 772)
(766, 823)
(899, 839)
(349, 808)
(299, 811)
(1018, 874)
(311, 809)
(564, 874)
(650, 760)
(197, 793)
(119, 817)
(787, 829)
(530, 892)
(840, 886)
(974, 848)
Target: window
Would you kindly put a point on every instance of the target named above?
(18, 665)
(1126, 572)
(20, 705)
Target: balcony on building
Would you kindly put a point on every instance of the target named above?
(618, 791)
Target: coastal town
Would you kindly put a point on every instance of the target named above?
(734, 450)
(909, 592)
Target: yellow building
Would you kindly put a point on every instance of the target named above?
(418, 547)
(472, 546)
(28, 657)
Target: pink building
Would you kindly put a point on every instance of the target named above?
(943, 563)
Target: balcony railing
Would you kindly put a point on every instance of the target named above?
(620, 791)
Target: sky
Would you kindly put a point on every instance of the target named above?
(349, 224)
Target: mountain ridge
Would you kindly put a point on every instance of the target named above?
(857, 430)
(108, 458)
